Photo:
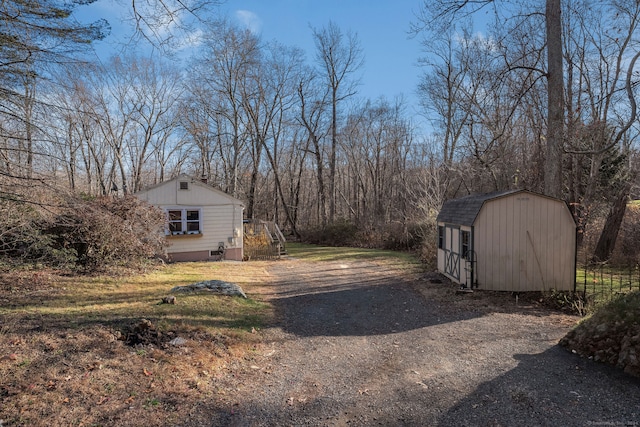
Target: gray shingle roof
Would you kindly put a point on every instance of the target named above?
(464, 210)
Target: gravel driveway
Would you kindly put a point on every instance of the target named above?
(359, 343)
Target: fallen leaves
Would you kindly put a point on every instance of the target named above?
(11, 357)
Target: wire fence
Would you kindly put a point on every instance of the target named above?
(601, 282)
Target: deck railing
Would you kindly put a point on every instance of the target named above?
(263, 240)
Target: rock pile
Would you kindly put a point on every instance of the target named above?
(611, 335)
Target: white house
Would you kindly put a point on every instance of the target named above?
(202, 223)
(514, 240)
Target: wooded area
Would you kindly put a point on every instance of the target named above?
(542, 97)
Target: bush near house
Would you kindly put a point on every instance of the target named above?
(90, 234)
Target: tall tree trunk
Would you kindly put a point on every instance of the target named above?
(607, 241)
(251, 202)
(320, 178)
(332, 156)
(280, 193)
(555, 121)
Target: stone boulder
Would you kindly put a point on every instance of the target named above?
(218, 286)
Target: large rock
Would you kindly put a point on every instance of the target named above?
(217, 286)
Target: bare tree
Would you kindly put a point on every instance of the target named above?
(222, 70)
(376, 141)
(166, 23)
(436, 15)
(443, 91)
(157, 90)
(553, 183)
(34, 36)
(313, 102)
(270, 97)
(338, 57)
(601, 49)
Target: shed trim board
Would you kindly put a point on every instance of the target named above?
(219, 219)
(518, 241)
(455, 263)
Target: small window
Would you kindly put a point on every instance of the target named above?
(465, 243)
(193, 220)
(175, 222)
(184, 185)
(184, 221)
(440, 237)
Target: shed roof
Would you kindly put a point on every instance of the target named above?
(464, 210)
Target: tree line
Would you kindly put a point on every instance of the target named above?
(286, 132)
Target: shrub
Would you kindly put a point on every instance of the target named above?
(78, 232)
(23, 238)
(110, 230)
(406, 237)
(339, 233)
(420, 237)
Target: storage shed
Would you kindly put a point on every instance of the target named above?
(203, 223)
(513, 240)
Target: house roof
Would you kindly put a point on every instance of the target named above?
(464, 210)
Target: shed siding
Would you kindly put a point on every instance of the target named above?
(525, 242)
(450, 259)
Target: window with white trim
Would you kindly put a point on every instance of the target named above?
(184, 221)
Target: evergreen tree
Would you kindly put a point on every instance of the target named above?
(38, 33)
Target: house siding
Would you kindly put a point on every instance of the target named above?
(219, 224)
(221, 219)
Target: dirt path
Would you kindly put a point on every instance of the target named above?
(359, 345)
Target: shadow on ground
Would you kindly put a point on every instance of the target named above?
(359, 311)
(550, 389)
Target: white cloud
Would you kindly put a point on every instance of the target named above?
(250, 20)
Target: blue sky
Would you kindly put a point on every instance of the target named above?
(381, 26)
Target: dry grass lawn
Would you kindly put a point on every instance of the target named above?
(64, 359)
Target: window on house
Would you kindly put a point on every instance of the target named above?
(184, 221)
(184, 185)
(440, 237)
(465, 243)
